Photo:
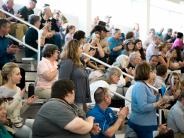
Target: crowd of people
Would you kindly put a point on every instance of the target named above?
(80, 91)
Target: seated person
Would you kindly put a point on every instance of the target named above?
(61, 117)
(175, 118)
(3, 120)
(47, 72)
(15, 105)
(154, 60)
(31, 37)
(17, 29)
(27, 10)
(108, 121)
(113, 80)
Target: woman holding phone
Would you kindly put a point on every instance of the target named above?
(14, 105)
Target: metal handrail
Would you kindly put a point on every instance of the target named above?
(17, 40)
(39, 33)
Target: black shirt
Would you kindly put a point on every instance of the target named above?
(54, 25)
(30, 38)
(25, 12)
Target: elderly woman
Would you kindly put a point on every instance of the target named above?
(143, 119)
(47, 72)
(3, 120)
(112, 80)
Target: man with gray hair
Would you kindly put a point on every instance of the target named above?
(115, 45)
(153, 48)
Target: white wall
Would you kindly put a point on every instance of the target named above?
(124, 13)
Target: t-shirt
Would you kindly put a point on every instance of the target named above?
(54, 25)
(105, 119)
(30, 38)
(25, 13)
(51, 120)
(112, 44)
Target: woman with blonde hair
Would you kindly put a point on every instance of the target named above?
(11, 77)
(71, 68)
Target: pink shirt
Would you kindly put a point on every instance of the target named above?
(178, 43)
(45, 66)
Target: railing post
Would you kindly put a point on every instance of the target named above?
(39, 46)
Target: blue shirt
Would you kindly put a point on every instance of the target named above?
(143, 111)
(112, 44)
(105, 118)
(4, 56)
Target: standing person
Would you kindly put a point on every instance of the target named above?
(153, 48)
(7, 51)
(31, 36)
(143, 119)
(60, 117)
(27, 10)
(47, 71)
(71, 68)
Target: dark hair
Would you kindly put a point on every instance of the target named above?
(98, 28)
(161, 70)
(68, 28)
(179, 35)
(33, 19)
(181, 96)
(142, 71)
(34, 1)
(61, 88)
(79, 35)
(102, 23)
(168, 134)
(3, 23)
(99, 94)
(49, 50)
(129, 35)
(153, 56)
(127, 42)
(141, 51)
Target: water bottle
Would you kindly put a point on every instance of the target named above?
(30, 90)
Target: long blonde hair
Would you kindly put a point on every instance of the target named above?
(71, 52)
